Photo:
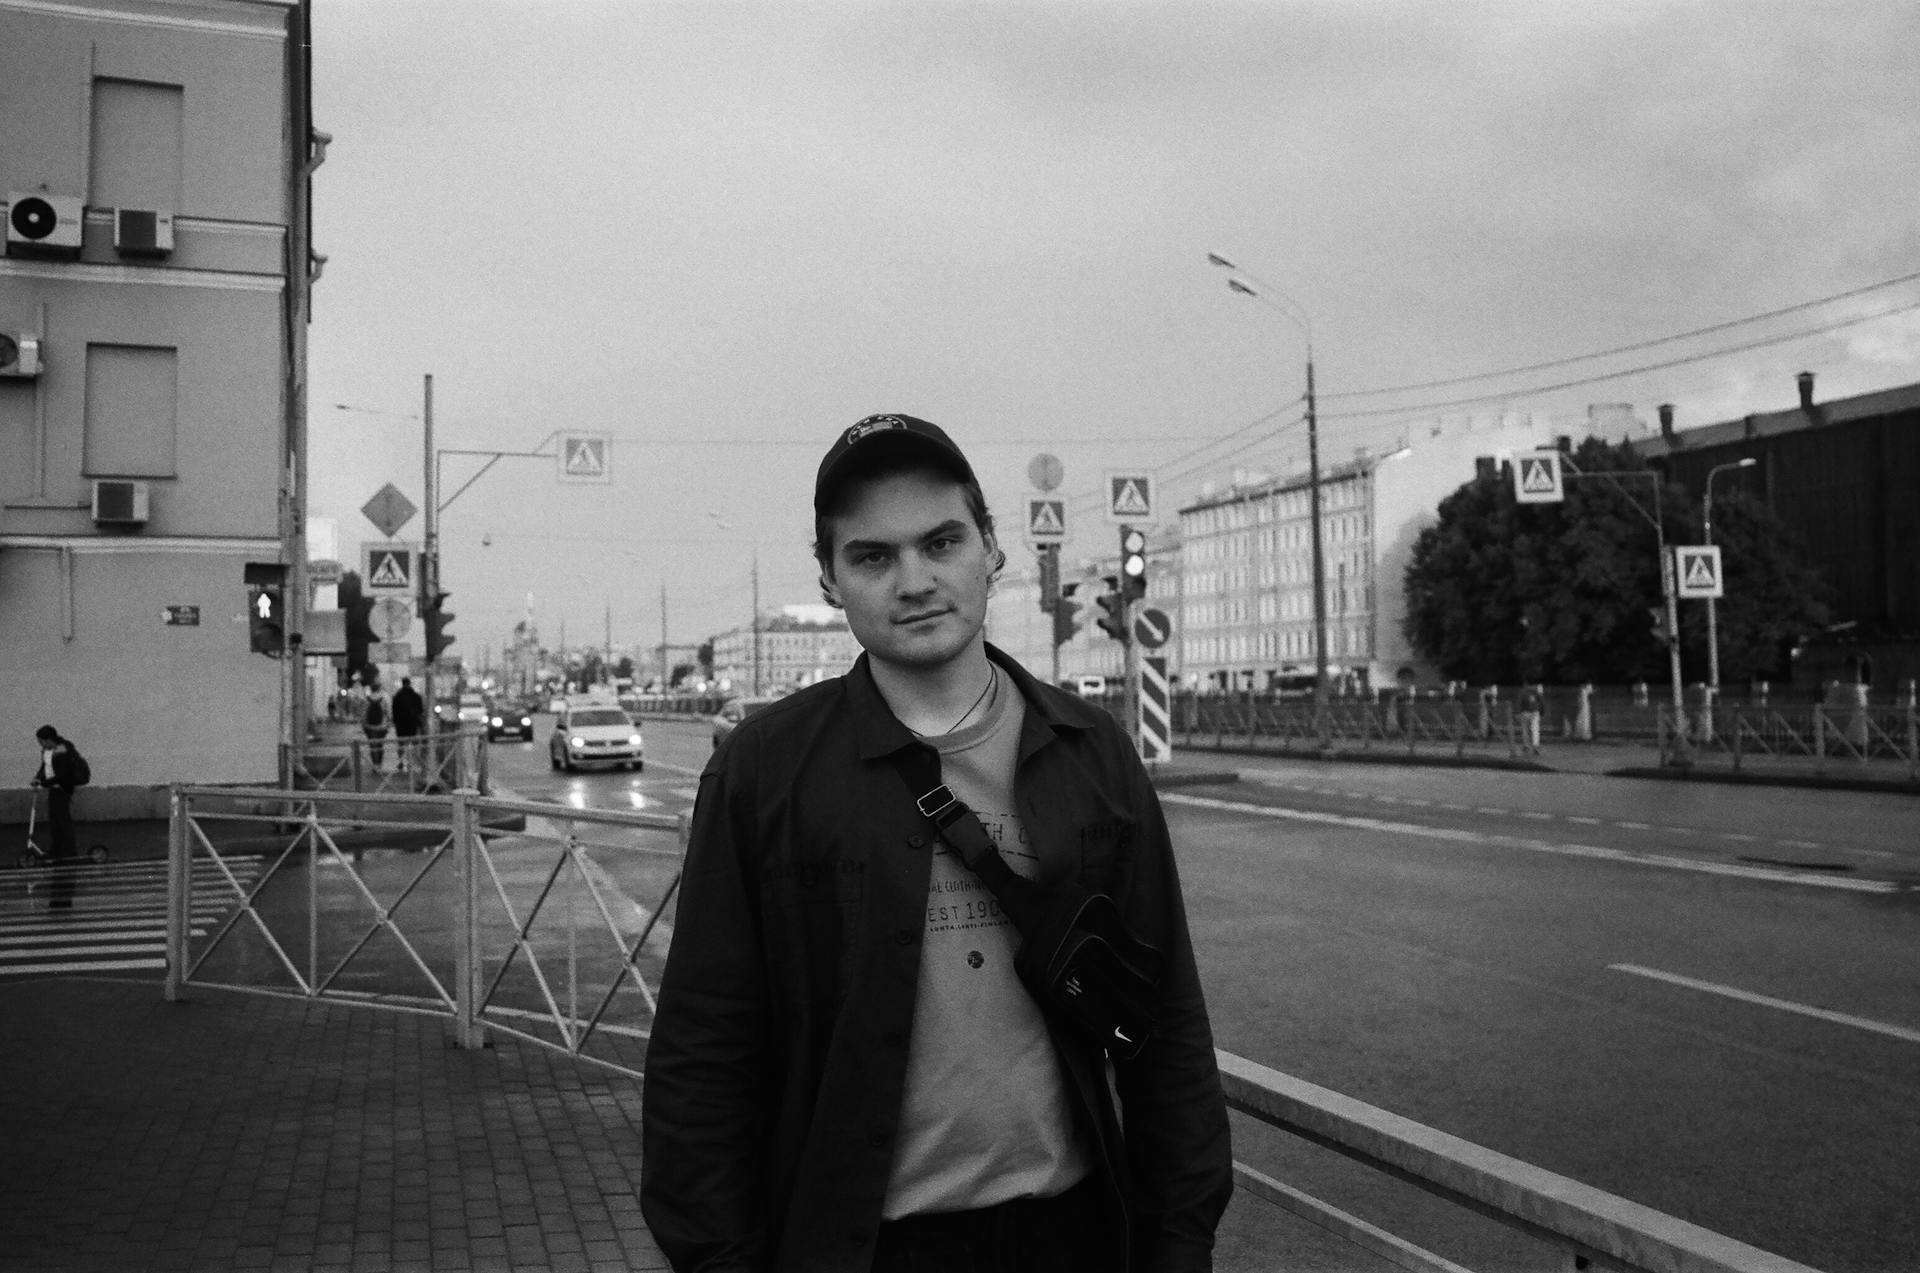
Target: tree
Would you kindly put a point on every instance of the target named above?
(1499, 593)
(1774, 598)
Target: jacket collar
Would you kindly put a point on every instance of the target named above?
(878, 732)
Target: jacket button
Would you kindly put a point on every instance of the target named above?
(904, 937)
(917, 841)
(876, 1140)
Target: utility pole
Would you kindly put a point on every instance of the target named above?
(430, 553)
(1320, 730)
(606, 665)
(663, 638)
(756, 623)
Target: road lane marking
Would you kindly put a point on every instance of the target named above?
(1634, 826)
(1537, 817)
(1768, 1001)
(1459, 835)
(1585, 822)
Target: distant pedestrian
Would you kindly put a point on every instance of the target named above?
(409, 714)
(1532, 703)
(62, 768)
(374, 725)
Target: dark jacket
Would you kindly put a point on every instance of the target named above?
(63, 775)
(408, 710)
(778, 1054)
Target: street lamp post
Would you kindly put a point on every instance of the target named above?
(1713, 625)
(1294, 311)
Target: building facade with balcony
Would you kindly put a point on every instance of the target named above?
(155, 160)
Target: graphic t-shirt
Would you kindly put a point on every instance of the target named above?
(987, 1115)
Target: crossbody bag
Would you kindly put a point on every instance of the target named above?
(1076, 953)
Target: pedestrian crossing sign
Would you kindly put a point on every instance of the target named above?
(1697, 570)
(1537, 478)
(1046, 520)
(586, 457)
(1129, 497)
(389, 566)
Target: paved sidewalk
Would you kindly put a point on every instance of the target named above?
(236, 1132)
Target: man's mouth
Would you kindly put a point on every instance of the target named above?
(907, 620)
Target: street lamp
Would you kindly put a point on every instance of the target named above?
(1713, 627)
(1292, 309)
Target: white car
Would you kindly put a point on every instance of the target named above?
(594, 734)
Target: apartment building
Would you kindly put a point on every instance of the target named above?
(798, 646)
(154, 160)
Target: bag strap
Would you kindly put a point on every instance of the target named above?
(919, 769)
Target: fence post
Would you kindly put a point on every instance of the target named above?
(1819, 739)
(1739, 730)
(179, 906)
(468, 1032)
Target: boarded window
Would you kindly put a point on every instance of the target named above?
(132, 410)
(137, 132)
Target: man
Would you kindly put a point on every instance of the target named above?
(845, 1071)
(1532, 704)
(59, 774)
(409, 713)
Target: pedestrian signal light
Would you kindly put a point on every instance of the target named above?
(1113, 610)
(1133, 564)
(266, 607)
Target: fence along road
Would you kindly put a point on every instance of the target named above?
(503, 885)
(79, 917)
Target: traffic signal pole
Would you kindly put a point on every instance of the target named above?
(429, 556)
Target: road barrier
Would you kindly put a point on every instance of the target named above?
(1836, 739)
(422, 764)
(1245, 722)
(520, 932)
(529, 935)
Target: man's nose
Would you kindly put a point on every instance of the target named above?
(915, 577)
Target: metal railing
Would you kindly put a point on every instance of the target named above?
(537, 936)
(1288, 725)
(1837, 740)
(418, 765)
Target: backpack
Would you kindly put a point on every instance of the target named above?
(81, 770)
(376, 712)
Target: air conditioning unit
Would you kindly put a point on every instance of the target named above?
(19, 356)
(142, 232)
(49, 223)
(117, 502)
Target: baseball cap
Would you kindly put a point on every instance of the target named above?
(889, 434)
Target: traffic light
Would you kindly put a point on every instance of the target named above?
(1660, 632)
(435, 615)
(266, 606)
(1133, 564)
(1065, 612)
(1049, 577)
(1113, 611)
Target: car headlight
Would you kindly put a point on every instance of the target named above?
(576, 742)
(496, 721)
(635, 740)
(527, 721)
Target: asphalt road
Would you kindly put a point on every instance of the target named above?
(1704, 999)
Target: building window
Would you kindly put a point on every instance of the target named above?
(137, 132)
(132, 411)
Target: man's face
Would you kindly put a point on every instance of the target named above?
(911, 569)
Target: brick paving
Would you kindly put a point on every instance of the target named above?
(239, 1132)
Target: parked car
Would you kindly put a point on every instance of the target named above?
(594, 734)
(732, 712)
(509, 717)
(468, 709)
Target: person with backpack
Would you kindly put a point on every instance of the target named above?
(374, 726)
(62, 768)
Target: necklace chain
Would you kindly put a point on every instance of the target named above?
(993, 679)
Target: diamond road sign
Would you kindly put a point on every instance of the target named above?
(389, 510)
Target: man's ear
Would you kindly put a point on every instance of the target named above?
(828, 593)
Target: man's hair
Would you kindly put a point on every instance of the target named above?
(887, 466)
(47, 733)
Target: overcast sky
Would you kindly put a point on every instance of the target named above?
(721, 233)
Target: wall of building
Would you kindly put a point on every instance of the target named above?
(172, 370)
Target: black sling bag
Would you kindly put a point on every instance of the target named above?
(1076, 954)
